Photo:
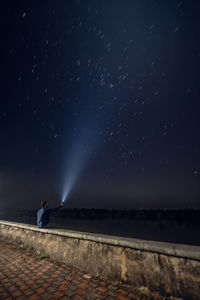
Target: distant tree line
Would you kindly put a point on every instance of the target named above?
(189, 216)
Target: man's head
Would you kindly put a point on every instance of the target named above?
(44, 204)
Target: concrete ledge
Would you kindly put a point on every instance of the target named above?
(171, 249)
(170, 269)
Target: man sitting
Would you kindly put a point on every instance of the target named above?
(44, 213)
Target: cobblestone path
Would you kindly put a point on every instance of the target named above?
(25, 275)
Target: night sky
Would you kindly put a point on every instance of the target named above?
(102, 96)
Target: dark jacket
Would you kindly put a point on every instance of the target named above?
(43, 215)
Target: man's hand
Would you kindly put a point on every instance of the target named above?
(62, 204)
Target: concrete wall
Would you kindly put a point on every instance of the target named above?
(167, 268)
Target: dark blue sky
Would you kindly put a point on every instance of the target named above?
(106, 93)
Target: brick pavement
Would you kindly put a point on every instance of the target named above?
(24, 275)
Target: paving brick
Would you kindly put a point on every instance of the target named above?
(45, 284)
(34, 297)
(75, 282)
(5, 280)
(51, 290)
(39, 281)
(4, 295)
(77, 297)
(133, 296)
(69, 277)
(103, 283)
(58, 279)
(122, 297)
(16, 293)
(114, 283)
(29, 282)
(45, 276)
(62, 287)
(99, 296)
(35, 277)
(86, 281)
(35, 286)
(19, 283)
(28, 292)
(112, 293)
(70, 293)
(12, 288)
(80, 292)
(122, 292)
(45, 296)
(58, 294)
(83, 286)
(24, 287)
(65, 282)
(21, 298)
(73, 287)
(93, 285)
(40, 291)
(7, 284)
(102, 289)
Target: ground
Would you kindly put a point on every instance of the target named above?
(26, 275)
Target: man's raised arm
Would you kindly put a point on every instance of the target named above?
(56, 208)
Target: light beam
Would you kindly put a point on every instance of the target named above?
(77, 160)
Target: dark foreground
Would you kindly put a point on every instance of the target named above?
(175, 226)
(25, 275)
